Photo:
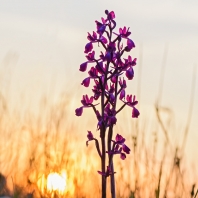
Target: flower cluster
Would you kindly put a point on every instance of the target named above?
(106, 74)
(119, 146)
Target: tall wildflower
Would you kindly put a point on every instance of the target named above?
(109, 73)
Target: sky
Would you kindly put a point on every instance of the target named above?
(42, 44)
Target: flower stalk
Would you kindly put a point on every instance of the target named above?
(109, 86)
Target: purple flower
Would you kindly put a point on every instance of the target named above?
(93, 72)
(86, 101)
(79, 111)
(90, 137)
(100, 27)
(108, 56)
(86, 82)
(111, 98)
(130, 45)
(90, 56)
(103, 40)
(119, 146)
(88, 47)
(111, 47)
(122, 83)
(119, 139)
(112, 88)
(83, 67)
(112, 120)
(130, 73)
(97, 90)
(131, 102)
(100, 68)
(110, 115)
(106, 71)
(124, 32)
(92, 37)
(126, 149)
(131, 61)
(135, 113)
(118, 150)
(122, 94)
(122, 156)
(113, 79)
(110, 15)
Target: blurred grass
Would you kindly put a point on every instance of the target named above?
(34, 144)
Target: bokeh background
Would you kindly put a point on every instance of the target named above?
(41, 48)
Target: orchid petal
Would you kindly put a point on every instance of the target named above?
(88, 47)
(79, 111)
(130, 73)
(83, 67)
(135, 113)
(86, 82)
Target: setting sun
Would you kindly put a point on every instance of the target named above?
(57, 182)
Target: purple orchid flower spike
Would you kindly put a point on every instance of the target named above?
(105, 73)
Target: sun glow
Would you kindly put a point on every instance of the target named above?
(56, 183)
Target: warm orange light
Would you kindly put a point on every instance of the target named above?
(57, 182)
